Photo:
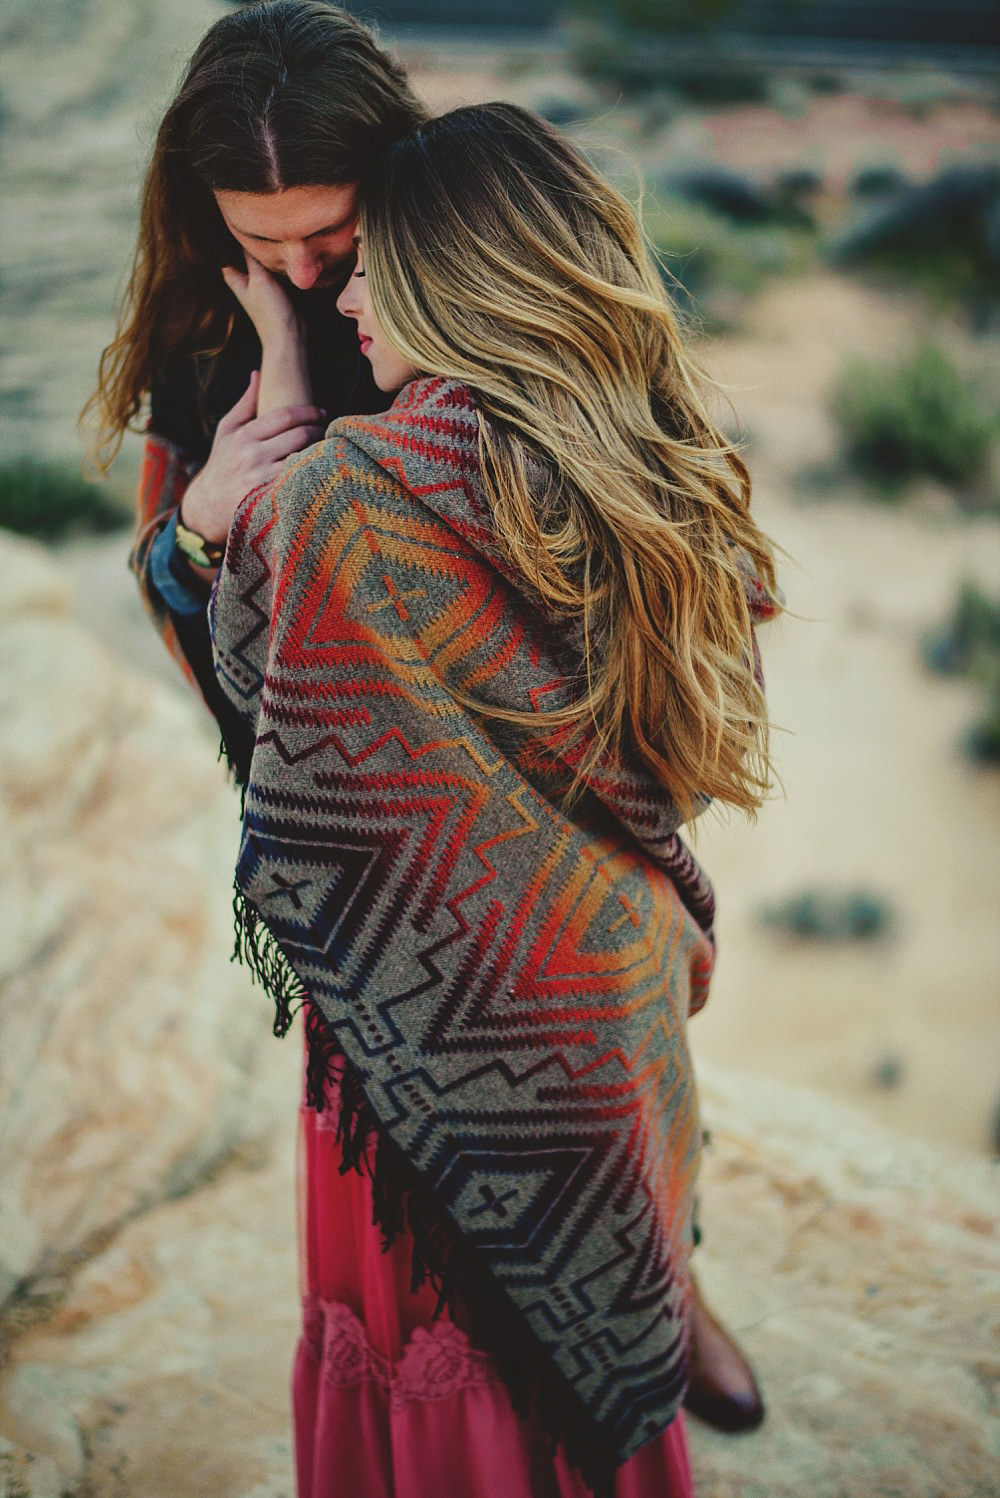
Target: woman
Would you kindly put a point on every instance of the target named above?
(493, 647)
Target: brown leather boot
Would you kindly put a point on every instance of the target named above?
(722, 1390)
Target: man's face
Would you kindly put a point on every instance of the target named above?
(303, 233)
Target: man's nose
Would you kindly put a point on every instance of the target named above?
(303, 267)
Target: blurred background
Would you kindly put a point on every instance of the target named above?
(821, 183)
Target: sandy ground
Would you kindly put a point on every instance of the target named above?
(876, 793)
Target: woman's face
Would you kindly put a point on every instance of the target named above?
(305, 234)
(389, 369)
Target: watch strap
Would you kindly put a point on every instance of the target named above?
(196, 548)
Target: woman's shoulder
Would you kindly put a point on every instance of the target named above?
(432, 423)
(423, 453)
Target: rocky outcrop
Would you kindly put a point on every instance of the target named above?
(130, 1048)
(862, 1274)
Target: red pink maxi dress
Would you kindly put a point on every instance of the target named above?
(390, 1402)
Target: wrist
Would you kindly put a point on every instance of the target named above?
(196, 549)
(281, 332)
(194, 512)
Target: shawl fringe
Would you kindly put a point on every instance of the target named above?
(237, 770)
(401, 1200)
(255, 948)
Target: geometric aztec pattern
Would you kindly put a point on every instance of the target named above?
(163, 478)
(511, 980)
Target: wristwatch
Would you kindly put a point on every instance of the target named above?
(196, 548)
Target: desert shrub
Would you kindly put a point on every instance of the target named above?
(968, 644)
(561, 111)
(972, 631)
(656, 15)
(632, 51)
(713, 265)
(939, 237)
(830, 915)
(917, 418)
(673, 15)
(878, 181)
(982, 742)
(739, 198)
(720, 81)
(49, 500)
(799, 181)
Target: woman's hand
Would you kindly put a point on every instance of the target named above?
(264, 300)
(248, 450)
(284, 368)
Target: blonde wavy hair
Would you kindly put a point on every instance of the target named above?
(497, 256)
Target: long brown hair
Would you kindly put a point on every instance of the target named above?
(289, 93)
(497, 256)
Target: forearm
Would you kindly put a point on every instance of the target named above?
(284, 372)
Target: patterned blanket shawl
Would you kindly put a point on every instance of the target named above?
(509, 982)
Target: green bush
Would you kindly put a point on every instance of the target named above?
(632, 50)
(713, 265)
(968, 644)
(972, 633)
(663, 16)
(982, 742)
(50, 500)
(917, 418)
(671, 15)
(939, 237)
(830, 915)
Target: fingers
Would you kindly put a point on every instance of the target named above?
(247, 285)
(285, 419)
(245, 408)
(270, 457)
(238, 282)
(277, 448)
(262, 297)
(257, 274)
(249, 450)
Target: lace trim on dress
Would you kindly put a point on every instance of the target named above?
(436, 1363)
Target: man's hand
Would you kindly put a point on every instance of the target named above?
(248, 450)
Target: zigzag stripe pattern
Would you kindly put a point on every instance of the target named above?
(163, 478)
(511, 982)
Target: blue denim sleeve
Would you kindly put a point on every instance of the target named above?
(180, 596)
